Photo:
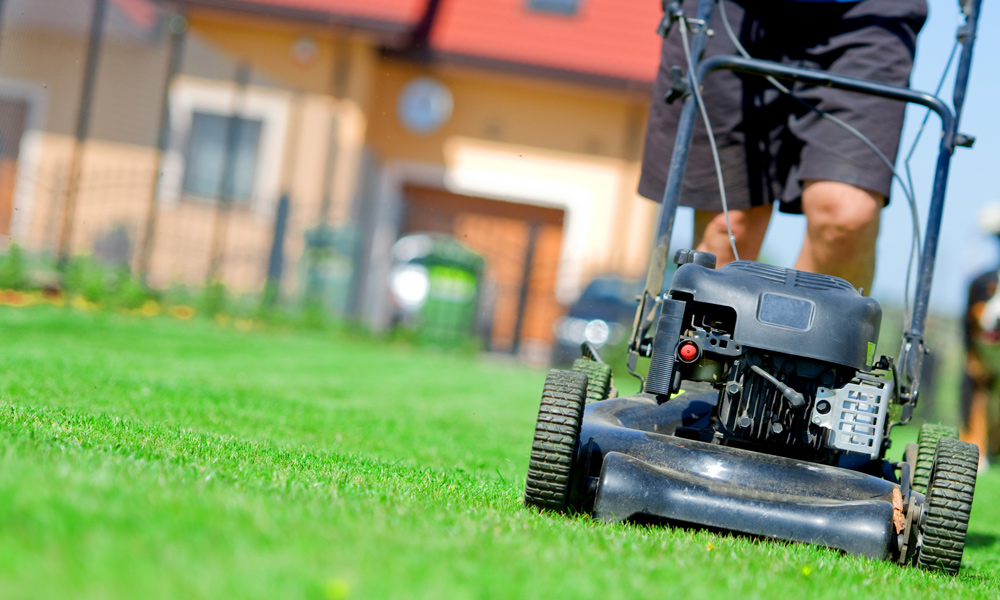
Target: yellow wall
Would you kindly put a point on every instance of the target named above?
(341, 65)
(525, 111)
(582, 139)
(588, 138)
(333, 83)
(124, 108)
(119, 158)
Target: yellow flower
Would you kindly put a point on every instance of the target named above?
(150, 308)
(181, 312)
(81, 303)
(14, 298)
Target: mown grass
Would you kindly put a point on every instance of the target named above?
(147, 458)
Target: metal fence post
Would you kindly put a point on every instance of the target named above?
(178, 29)
(2, 3)
(82, 127)
(276, 259)
(522, 301)
(225, 198)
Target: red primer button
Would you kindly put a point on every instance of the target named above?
(688, 351)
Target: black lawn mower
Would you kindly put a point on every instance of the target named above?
(764, 410)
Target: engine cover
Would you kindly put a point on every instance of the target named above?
(787, 311)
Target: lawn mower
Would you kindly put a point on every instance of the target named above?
(764, 410)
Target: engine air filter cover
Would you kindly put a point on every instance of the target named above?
(788, 311)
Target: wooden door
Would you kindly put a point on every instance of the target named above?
(13, 116)
(521, 244)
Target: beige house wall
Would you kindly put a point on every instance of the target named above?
(119, 158)
(114, 191)
(563, 145)
(45, 69)
(323, 80)
(122, 105)
(510, 137)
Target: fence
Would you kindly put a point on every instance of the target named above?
(94, 121)
(186, 153)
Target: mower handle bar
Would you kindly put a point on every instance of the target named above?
(946, 146)
(912, 350)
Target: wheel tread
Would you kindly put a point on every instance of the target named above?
(949, 503)
(927, 440)
(599, 383)
(553, 448)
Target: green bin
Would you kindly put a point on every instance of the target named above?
(435, 284)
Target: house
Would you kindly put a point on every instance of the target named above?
(513, 125)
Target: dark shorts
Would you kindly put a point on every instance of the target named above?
(769, 143)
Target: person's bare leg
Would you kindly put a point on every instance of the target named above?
(841, 231)
(749, 227)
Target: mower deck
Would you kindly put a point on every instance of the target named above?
(644, 470)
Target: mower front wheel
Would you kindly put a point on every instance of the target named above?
(599, 386)
(949, 502)
(557, 432)
(927, 442)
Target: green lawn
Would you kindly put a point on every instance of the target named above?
(154, 458)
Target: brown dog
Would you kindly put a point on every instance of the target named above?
(980, 413)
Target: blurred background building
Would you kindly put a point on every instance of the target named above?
(293, 142)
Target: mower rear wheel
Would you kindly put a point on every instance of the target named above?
(927, 441)
(557, 430)
(949, 502)
(599, 386)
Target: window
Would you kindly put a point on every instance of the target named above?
(205, 158)
(561, 7)
(201, 113)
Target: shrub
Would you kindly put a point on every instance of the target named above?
(13, 269)
(213, 299)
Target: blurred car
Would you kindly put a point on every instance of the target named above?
(602, 315)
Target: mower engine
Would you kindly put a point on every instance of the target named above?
(790, 352)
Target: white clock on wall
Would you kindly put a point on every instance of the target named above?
(425, 104)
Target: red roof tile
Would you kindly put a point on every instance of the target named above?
(608, 38)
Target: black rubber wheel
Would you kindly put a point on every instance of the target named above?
(949, 502)
(927, 441)
(599, 386)
(557, 430)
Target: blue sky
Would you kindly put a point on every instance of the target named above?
(974, 179)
